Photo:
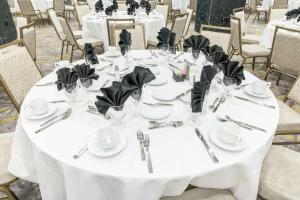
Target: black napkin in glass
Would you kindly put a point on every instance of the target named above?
(217, 58)
(90, 55)
(197, 42)
(131, 9)
(84, 71)
(289, 15)
(99, 6)
(148, 7)
(214, 48)
(109, 10)
(138, 77)
(129, 2)
(125, 40)
(116, 95)
(163, 37)
(143, 3)
(208, 73)
(135, 5)
(65, 76)
(197, 95)
(115, 5)
(298, 20)
(232, 69)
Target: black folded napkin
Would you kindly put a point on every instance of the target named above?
(214, 48)
(163, 37)
(125, 41)
(298, 20)
(138, 77)
(84, 71)
(65, 76)
(172, 46)
(197, 42)
(131, 9)
(115, 5)
(148, 7)
(109, 10)
(289, 15)
(208, 73)
(129, 2)
(90, 55)
(135, 5)
(197, 96)
(99, 6)
(232, 70)
(142, 3)
(217, 58)
(116, 95)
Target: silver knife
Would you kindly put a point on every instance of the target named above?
(58, 101)
(53, 118)
(158, 104)
(254, 102)
(177, 56)
(182, 94)
(246, 124)
(45, 84)
(208, 149)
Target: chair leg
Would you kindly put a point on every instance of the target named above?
(255, 17)
(231, 54)
(72, 51)
(278, 79)
(67, 47)
(267, 74)
(8, 193)
(253, 64)
(62, 49)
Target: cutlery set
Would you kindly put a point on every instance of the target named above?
(144, 142)
(155, 125)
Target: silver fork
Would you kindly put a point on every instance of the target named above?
(147, 145)
(220, 119)
(140, 137)
(212, 106)
(57, 116)
(175, 124)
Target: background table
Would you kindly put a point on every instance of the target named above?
(293, 4)
(42, 5)
(181, 4)
(97, 27)
(179, 158)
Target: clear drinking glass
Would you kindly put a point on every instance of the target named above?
(228, 84)
(136, 96)
(118, 113)
(195, 55)
(127, 54)
(71, 91)
(164, 48)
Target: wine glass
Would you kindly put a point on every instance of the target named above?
(85, 84)
(164, 48)
(228, 84)
(118, 113)
(127, 54)
(137, 96)
(71, 91)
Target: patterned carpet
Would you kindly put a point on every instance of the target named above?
(48, 51)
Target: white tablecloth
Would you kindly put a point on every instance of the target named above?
(180, 4)
(41, 5)
(293, 4)
(97, 27)
(179, 158)
(268, 33)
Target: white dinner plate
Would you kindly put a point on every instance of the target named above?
(159, 80)
(111, 71)
(100, 152)
(29, 115)
(164, 94)
(213, 137)
(155, 112)
(112, 54)
(248, 90)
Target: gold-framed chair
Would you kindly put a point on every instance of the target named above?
(280, 4)
(277, 13)
(251, 9)
(28, 37)
(164, 11)
(6, 178)
(59, 6)
(246, 51)
(28, 11)
(18, 73)
(193, 6)
(81, 11)
(117, 24)
(188, 22)
(284, 58)
(171, 11)
(177, 27)
(77, 43)
(19, 22)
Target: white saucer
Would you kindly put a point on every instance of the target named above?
(112, 54)
(159, 80)
(111, 71)
(164, 94)
(97, 151)
(156, 112)
(186, 98)
(248, 90)
(213, 136)
(29, 115)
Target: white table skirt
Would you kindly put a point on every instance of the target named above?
(268, 33)
(179, 158)
(41, 5)
(293, 4)
(97, 27)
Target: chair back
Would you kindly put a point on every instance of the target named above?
(285, 50)
(81, 11)
(193, 5)
(122, 6)
(188, 21)
(90, 3)
(153, 4)
(236, 36)
(67, 30)
(253, 5)
(280, 4)
(277, 14)
(294, 93)
(170, 6)
(138, 37)
(59, 6)
(18, 74)
(26, 7)
(240, 13)
(177, 27)
(56, 24)
(163, 10)
(20, 21)
(113, 24)
(29, 39)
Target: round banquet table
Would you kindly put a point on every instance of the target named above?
(293, 4)
(41, 5)
(94, 26)
(268, 33)
(178, 156)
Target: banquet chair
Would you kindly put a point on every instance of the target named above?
(246, 38)
(18, 73)
(59, 6)
(280, 175)
(122, 6)
(163, 10)
(193, 6)
(13, 10)
(6, 178)
(19, 22)
(28, 11)
(71, 9)
(81, 11)
(252, 9)
(280, 4)
(246, 51)
(277, 14)
(138, 36)
(285, 53)
(153, 4)
(178, 28)
(171, 12)
(77, 43)
(188, 22)
(59, 31)
(117, 24)
(203, 194)
(28, 37)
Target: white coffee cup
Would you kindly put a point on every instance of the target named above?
(38, 106)
(107, 138)
(260, 87)
(230, 133)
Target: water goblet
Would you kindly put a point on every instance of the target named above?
(118, 113)
(71, 91)
(228, 84)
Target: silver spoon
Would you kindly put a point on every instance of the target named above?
(220, 119)
(222, 100)
(213, 105)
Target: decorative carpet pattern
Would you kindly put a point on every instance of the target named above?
(48, 52)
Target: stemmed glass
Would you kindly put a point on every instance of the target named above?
(127, 54)
(228, 84)
(195, 55)
(85, 84)
(71, 91)
(118, 113)
(164, 49)
(137, 96)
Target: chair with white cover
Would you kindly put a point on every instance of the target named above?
(280, 4)
(246, 38)
(28, 11)
(138, 37)
(285, 53)
(59, 6)
(81, 11)
(18, 74)
(280, 175)
(6, 178)
(171, 11)
(77, 43)
(71, 9)
(246, 51)
(203, 194)
(113, 24)
(277, 13)
(178, 28)
(28, 37)
(188, 22)
(163, 10)
(19, 22)
(59, 31)
(13, 9)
